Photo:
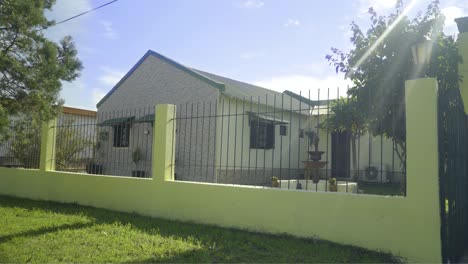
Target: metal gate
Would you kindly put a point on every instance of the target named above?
(453, 174)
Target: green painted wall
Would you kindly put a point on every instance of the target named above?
(408, 227)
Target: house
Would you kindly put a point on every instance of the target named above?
(227, 131)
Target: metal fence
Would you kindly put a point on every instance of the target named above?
(21, 147)
(115, 143)
(281, 140)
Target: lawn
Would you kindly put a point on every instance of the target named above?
(36, 231)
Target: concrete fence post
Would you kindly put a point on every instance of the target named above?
(48, 138)
(164, 143)
(422, 168)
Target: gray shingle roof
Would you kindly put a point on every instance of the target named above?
(229, 87)
(247, 91)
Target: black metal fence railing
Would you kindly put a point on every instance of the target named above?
(21, 148)
(283, 141)
(453, 174)
(115, 143)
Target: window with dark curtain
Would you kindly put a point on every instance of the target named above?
(262, 135)
(121, 135)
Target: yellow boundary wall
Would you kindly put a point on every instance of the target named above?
(406, 226)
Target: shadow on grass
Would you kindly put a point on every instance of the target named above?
(43, 231)
(218, 244)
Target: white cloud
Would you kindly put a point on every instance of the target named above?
(292, 23)
(110, 77)
(378, 5)
(62, 10)
(252, 4)
(304, 83)
(450, 13)
(249, 55)
(109, 31)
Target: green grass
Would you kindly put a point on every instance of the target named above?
(36, 231)
(390, 189)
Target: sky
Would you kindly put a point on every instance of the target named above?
(276, 44)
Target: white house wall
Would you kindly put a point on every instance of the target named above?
(238, 163)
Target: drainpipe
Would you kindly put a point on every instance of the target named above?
(462, 24)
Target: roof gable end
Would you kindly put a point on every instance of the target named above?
(179, 66)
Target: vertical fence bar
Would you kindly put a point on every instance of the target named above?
(242, 139)
(227, 140)
(235, 139)
(298, 138)
(274, 142)
(202, 139)
(266, 136)
(290, 144)
(281, 142)
(209, 139)
(221, 140)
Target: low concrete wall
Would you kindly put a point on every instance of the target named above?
(394, 224)
(406, 226)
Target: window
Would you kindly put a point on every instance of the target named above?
(283, 130)
(262, 135)
(121, 135)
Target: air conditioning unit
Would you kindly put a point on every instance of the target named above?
(375, 173)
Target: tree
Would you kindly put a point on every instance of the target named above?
(380, 62)
(31, 66)
(346, 116)
(69, 144)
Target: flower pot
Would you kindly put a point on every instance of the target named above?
(274, 184)
(315, 178)
(333, 188)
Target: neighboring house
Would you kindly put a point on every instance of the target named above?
(80, 121)
(254, 136)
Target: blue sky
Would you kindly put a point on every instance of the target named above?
(276, 44)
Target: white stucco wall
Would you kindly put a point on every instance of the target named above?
(238, 163)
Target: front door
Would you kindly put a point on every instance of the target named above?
(341, 151)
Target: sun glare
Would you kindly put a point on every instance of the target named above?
(383, 36)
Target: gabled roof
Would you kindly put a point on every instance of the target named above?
(228, 87)
(218, 85)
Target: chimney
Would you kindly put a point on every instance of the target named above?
(462, 24)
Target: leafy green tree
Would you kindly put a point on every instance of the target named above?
(26, 147)
(346, 116)
(31, 66)
(380, 62)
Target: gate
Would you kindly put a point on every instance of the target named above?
(453, 182)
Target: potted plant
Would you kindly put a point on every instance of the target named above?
(137, 156)
(274, 182)
(333, 186)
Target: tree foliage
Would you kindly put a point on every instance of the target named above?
(380, 62)
(26, 147)
(31, 66)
